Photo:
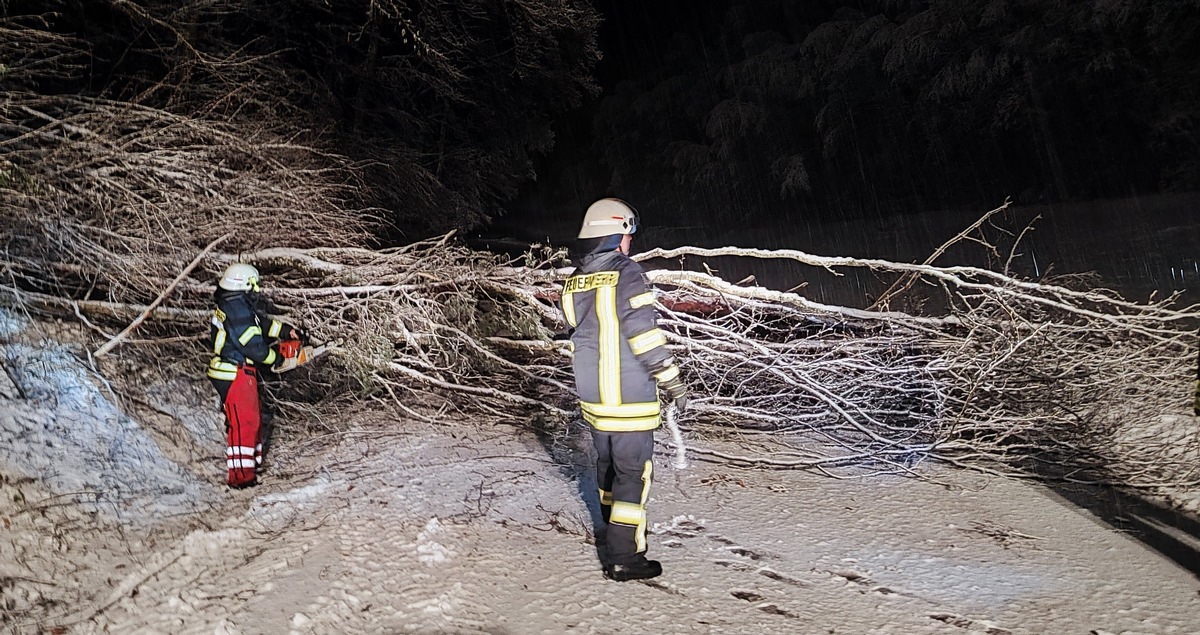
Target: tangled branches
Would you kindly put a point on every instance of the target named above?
(103, 198)
(106, 202)
(433, 326)
(1014, 376)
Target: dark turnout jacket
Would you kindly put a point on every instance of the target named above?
(620, 353)
(239, 333)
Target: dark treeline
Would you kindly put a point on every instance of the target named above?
(843, 109)
(442, 105)
(713, 110)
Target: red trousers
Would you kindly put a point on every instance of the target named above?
(243, 428)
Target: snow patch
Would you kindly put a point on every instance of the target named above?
(443, 605)
(429, 550)
(278, 510)
(311, 493)
(211, 545)
(59, 427)
(683, 524)
(225, 627)
(11, 324)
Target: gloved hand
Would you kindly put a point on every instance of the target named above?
(676, 391)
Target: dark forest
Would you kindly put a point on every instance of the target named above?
(734, 110)
(719, 111)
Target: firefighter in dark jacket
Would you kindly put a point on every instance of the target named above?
(239, 335)
(621, 362)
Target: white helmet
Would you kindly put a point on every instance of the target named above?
(239, 277)
(609, 216)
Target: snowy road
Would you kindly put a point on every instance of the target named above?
(403, 527)
(422, 532)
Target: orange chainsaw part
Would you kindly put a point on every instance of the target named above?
(289, 348)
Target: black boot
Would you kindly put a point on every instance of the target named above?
(642, 569)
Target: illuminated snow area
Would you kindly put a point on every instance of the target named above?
(402, 527)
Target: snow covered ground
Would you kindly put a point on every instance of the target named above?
(407, 527)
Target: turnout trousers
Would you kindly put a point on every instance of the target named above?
(243, 426)
(624, 470)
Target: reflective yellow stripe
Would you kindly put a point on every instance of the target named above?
(647, 474)
(647, 477)
(647, 341)
(270, 358)
(249, 334)
(605, 498)
(222, 370)
(642, 299)
(627, 514)
(621, 424)
(221, 364)
(568, 305)
(668, 373)
(219, 341)
(610, 347)
(625, 410)
(275, 328)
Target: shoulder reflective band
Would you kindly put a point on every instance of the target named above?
(218, 321)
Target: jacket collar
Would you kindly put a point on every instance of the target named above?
(596, 261)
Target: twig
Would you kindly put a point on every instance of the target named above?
(112, 343)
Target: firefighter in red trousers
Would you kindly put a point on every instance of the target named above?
(621, 360)
(240, 332)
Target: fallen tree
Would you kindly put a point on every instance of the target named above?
(1015, 376)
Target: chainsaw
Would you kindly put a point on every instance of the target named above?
(294, 354)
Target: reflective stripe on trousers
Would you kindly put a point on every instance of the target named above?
(242, 428)
(624, 471)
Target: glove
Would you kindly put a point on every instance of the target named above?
(676, 392)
